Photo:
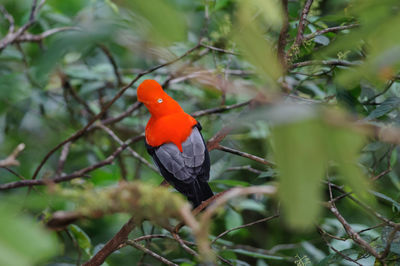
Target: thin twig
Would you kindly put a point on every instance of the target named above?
(244, 154)
(218, 49)
(147, 237)
(245, 167)
(28, 37)
(80, 173)
(220, 109)
(353, 235)
(113, 63)
(13, 35)
(339, 252)
(388, 86)
(63, 158)
(389, 242)
(243, 226)
(9, 18)
(113, 120)
(151, 253)
(67, 86)
(11, 160)
(332, 29)
(332, 62)
(134, 153)
(201, 229)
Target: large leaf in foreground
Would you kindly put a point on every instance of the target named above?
(23, 241)
(303, 149)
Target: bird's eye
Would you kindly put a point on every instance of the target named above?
(159, 100)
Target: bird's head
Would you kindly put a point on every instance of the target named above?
(157, 101)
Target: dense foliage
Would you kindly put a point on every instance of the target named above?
(298, 100)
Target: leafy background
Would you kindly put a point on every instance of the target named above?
(297, 95)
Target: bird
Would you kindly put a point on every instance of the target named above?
(173, 139)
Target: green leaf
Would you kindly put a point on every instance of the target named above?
(82, 238)
(23, 241)
(269, 173)
(270, 10)
(336, 258)
(343, 146)
(321, 39)
(233, 219)
(387, 198)
(303, 150)
(257, 49)
(386, 107)
(393, 158)
(249, 204)
(301, 158)
(112, 5)
(220, 4)
(167, 23)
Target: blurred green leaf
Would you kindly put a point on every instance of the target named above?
(343, 146)
(257, 49)
(302, 150)
(300, 155)
(167, 24)
(220, 4)
(22, 240)
(113, 6)
(393, 158)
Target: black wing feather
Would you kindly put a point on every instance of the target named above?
(188, 171)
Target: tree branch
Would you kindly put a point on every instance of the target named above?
(220, 109)
(151, 253)
(332, 29)
(283, 35)
(76, 174)
(332, 62)
(243, 226)
(112, 245)
(244, 154)
(13, 35)
(11, 160)
(300, 29)
(134, 153)
(113, 63)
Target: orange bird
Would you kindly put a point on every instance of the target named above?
(174, 141)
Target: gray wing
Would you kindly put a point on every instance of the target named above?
(187, 165)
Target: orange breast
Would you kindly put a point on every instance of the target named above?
(173, 128)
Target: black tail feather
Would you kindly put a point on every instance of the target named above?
(201, 191)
